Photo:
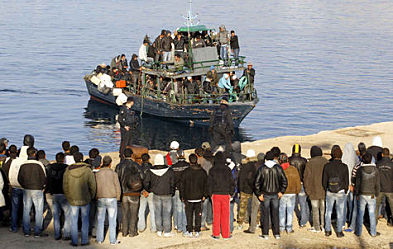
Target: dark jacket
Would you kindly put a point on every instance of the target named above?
(167, 44)
(32, 175)
(6, 167)
(221, 121)
(246, 177)
(313, 178)
(376, 152)
(126, 117)
(178, 169)
(220, 181)
(234, 42)
(193, 183)
(79, 184)
(160, 180)
(250, 74)
(385, 168)
(299, 163)
(335, 176)
(125, 169)
(179, 44)
(270, 179)
(134, 66)
(144, 167)
(367, 180)
(55, 173)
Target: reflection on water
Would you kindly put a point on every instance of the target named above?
(153, 133)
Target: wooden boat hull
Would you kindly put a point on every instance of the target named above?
(189, 114)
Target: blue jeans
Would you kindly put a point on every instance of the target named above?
(224, 52)
(287, 206)
(16, 201)
(236, 52)
(166, 56)
(354, 213)
(231, 215)
(303, 213)
(348, 207)
(207, 212)
(143, 204)
(179, 213)
(339, 199)
(104, 205)
(371, 204)
(31, 197)
(162, 212)
(59, 203)
(85, 223)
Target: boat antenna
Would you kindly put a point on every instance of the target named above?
(190, 18)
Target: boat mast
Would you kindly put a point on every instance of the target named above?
(190, 22)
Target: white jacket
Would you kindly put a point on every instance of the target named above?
(14, 172)
(23, 152)
(2, 200)
(143, 53)
(69, 159)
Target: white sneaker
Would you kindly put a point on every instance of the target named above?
(187, 234)
(239, 227)
(197, 235)
(159, 234)
(168, 235)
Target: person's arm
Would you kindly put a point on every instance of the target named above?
(257, 183)
(307, 176)
(172, 182)
(147, 181)
(117, 186)
(284, 180)
(21, 177)
(346, 179)
(325, 177)
(205, 184)
(92, 184)
(377, 184)
(121, 118)
(357, 183)
(66, 184)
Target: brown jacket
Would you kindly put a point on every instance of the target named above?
(108, 185)
(313, 178)
(294, 184)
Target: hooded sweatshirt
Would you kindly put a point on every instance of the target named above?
(247, 175)
(178, 169)
(55, 174)
(79, 184)
(313, 175)
(160, 180)
(193, 183)
(220, 181)
(350, 158)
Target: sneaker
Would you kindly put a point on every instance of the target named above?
(74, 245)
(99, 242)
(168, 235)
(214, 237)
(27, 235)
(66, 238)
(313, 230)
(196, 235)
(248, 231)
(264, 236)
(377, 234)
(348, 230)
(277, 236)
(301, 226)
(187, 234)
(340, 234)
(290, 231)
(328, 233)
(116, 243)
(12, 230)
(159, 234)
(239, 227)
(40, 235)
(86, 244)
(230, 237)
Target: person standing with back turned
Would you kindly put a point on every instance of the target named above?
(127, 121)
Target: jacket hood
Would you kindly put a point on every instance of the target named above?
(28, 140)
(315, 151)
(368, 168)
(270, 163)
(377, 141)
(77, 170)
(159, 170)
(349, 156)
(237, 147)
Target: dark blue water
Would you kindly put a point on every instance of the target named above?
(320, 65)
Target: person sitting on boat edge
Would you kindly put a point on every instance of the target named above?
(225, 84)
(179, 62)
(213, 78)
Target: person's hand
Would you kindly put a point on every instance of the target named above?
(260, 197)
(279, 195)
(145, 193)
(203, 199)
(351, 188)
(127, 128)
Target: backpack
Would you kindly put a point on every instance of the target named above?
(334, 184)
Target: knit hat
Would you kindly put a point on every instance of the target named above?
(159, 160)
(206, 146)
(315, 151)
(261, 156)
(174, 145)
(250, 153)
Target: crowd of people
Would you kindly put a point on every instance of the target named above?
(189, 194)
(173, 52)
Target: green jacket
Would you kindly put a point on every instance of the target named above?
(79, 184)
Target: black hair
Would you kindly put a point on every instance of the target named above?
(269, 155)
(362, 148)
(31, 152)
(193, 159)
(128, 152)
(276, 151)
(74, 149)
(93, 153)
(78, 157)
(2, 148)
(66, 145)
(13, 150)
(232, 31)
(315, 151)
(367, 158)
(41, 154)
(106, 161)
(385, 152)
(60, 157)
(145, 157)
(122, 55)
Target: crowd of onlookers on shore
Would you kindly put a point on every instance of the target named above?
(195, 192)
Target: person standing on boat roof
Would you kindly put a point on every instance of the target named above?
(144, 49)
(167, 47)
(179, 44)
(158, 45)
(127, 121)
(221, 126)
(223, 39)
(235, 49)
(123, 63)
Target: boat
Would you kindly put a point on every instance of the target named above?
(189, 109)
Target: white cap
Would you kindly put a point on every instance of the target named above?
(234, 77)
(159, 160)
(174, 145)
(250, 153)
(189, 77)
(219, 149)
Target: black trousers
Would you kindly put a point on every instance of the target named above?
(270, 209)
(220, 137)
(126, 137)
(130, 210)
(193, 209)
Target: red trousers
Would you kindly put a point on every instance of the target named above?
(221, 215)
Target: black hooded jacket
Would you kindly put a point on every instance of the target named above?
(247, 174)
(178, 169)
(367, 180)
(160, 180)
(193, 183)
(55, 174)
(335, 172)
(385, 168)
(220, 181)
